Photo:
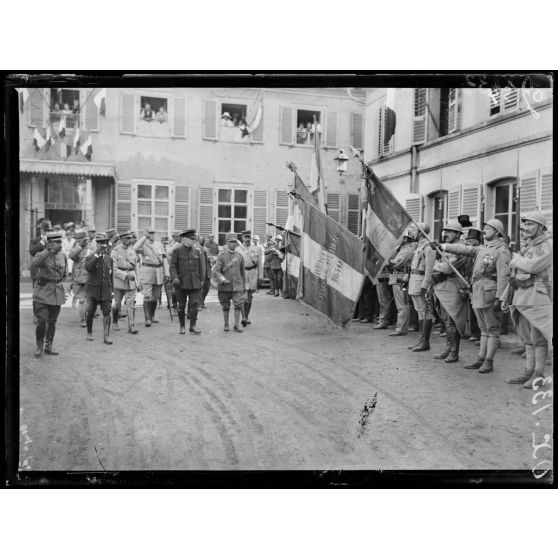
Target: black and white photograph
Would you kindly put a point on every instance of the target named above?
(270, 273)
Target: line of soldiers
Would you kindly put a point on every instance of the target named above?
(457, 275)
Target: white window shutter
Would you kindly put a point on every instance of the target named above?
(181, 207)
(91, 111)
(179, 117)
(511, 99)
(210, 120)
(286, 126)
(333, 206)
(546, 192)
(206, 212)
(257, 135)
(453, 110)
(260, 213)
(528, 192)
(495, 99)
(281, 208)
(470, 202)
(381, 132)
(419, 118)
(128, 114)
(123, 207)
(331, 129)
(454, 203)
(353, 204)
(413, 206)
(38, 106)
(357, 130)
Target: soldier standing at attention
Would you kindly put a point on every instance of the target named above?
(154, 270)
(187, 269)
(124, 272)
(99, 286)
(251, 257)
(49, 268)
(79, 275)
(530, 299)
(229, 273)
(490, 276)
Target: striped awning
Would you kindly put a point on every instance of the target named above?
(36, 166)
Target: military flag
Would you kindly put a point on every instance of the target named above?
(100, 100)
(38, 140)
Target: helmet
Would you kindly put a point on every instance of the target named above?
(409, 234)
(278, 237)
(537, 217)
(424, 227)
(453, 225)
(497, 225)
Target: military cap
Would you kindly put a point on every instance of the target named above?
(246, 233)
(256, 237)
(80, 235)
(91, 229)
(278, 237)
(176, 233)
(453, 225)
(190, 233)
(536, 217)
(53, 236)
(164, 239)
(126, 234)
(230, 236)
(69, 225)
(101, 238)
(497, 225)
(150, 230)
(474, 233)
(111, 233)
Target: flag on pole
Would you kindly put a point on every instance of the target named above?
(23, 94)
(38, 140)
(49, 136)
(386, 220)
(331, 273)
(254, 115)
(87, 148)
(100, 100)
(62, 126)
(76, 138)
(317, 186)
(390, 119)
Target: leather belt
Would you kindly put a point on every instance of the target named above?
(417, 271)
(250, 268)
(153, 265)
(127, 268)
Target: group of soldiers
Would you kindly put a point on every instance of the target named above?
(458, 276)
(106, 270)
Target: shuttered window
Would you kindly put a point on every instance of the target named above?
(357, 130)
(503, 100)
(333, 206)
(181, 207)
(353, 212)
(470, 202)
(454, 205)
(453, 110)
(209, 128)
(384, 147)
(38, 106)
(112, 205)
(286, 126)
(331, 129)
(127, 113)
(179, 117)
(206, 212)
(281, 208)
(123, 207)
(260, 213)
(91, 111)
(413, 206)
(528, 193)
(546, 192)
(419, 118)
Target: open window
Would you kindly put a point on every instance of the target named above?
(65, 106)
(307, 123)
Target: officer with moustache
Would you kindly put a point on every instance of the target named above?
(251, 257)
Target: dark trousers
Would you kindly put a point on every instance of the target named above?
(365, 306)
(92, 303)
(206, 287)
(46, 314)
(277, 280)
(192, 296)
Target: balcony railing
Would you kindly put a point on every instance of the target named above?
(62, 116)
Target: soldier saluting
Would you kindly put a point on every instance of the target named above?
(49, 267)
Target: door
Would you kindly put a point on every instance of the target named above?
(232, 211)
(439, 215)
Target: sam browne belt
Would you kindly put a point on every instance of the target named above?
(153, 265)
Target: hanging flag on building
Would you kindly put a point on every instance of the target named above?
(100, 100)
(386, 220)
(23, 94)
(254, 115)
(62, 126)
(292, 255)
(49, 136)
(390, 119)
(38, 140)
(331, 273)
(316, 185)
(87, 148)
(76, 138)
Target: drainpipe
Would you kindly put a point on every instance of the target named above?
(414, 165)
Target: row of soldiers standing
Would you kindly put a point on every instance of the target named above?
(485, 276)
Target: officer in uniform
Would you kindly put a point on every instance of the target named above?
(420, 283)
(451, 291)
(490, 276)
(154, 270)
(399, 279)
(529, 296)
(49, 267)
(79, 276)
(385, 297)
(276, 261)
(114, 238)
(251, 257)
(99, 287)
(187, 270)
(474, 238)
(228, 272)
(124, 272)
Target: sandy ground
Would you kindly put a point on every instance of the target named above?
(291, 392)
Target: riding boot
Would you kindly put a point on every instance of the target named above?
(182, 320)
(147, 312)
(89, 324)
(454, 346)
(49, 338)
(419, 342)
(131, 319)
(425, 344)
(115, 316)
(40, 338)
(529, 367)
(243, 311)
(193, 327)
(237, 314)
(491, 347)
(153, 309)
(106, 329)
(482, 354)
(449, 340)
(541, 354)
(247, 308)
(226, 319)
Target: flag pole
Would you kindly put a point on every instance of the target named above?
(365, 168)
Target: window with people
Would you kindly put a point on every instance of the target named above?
(64, 106)
(233, 122)
(153, 117)
(307, 124)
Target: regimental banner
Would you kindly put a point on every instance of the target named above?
(331, 271)
(292, 252)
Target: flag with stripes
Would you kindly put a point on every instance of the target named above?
(316, 183)
(62, 127)
(294, 216)
(292, 254)
(254, 115)
(38, 140)
(331, 273)
(87, 148)
(386, 221)
(100, 101)
(76, 139)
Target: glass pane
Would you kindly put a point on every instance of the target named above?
(144, 191)
(239, 226)
(161, 192)
(221, 239)
(240, 196)
(143, 223)
(162, 225)
(67, 194)
(502, 199)
(224, 226)
(438, 208)
(161, 208)
(224, 211)
(505, 219)
(144, 208)
(225, 196)
(240, 212)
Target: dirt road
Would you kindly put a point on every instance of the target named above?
(291, 392)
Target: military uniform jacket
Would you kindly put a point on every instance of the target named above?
(49, 270)
(251, 265)
(154, 261)
(124, 261)
(276, 258)
(401, 262)
(188, 265)
(491, 270)
(230, 265)
(423, 262)
(99, 283)
(78, 255)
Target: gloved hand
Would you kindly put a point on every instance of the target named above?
(497, 305)
(434, 245)
(176, 282)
